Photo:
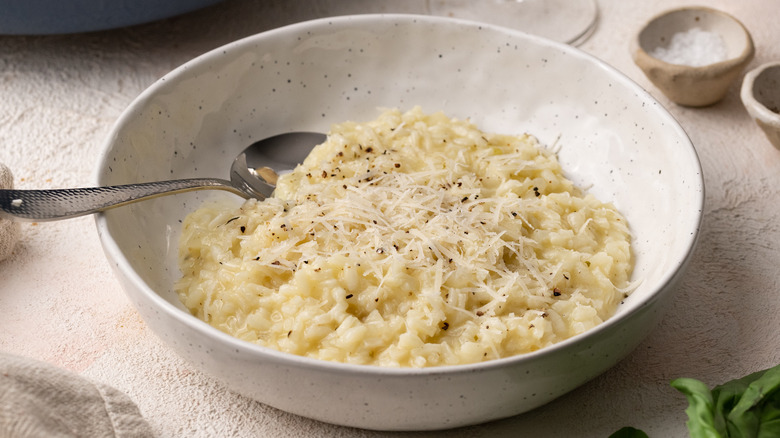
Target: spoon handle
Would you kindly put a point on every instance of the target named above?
(49, 205)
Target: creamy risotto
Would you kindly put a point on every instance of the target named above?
(412, 240)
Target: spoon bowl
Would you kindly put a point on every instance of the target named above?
(252, 175)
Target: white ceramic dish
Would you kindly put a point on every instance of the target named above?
(612, 136)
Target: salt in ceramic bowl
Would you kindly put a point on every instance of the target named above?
(694, 33)
(760, 94)
(610, 134)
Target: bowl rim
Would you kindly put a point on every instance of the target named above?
(121, 264)
(746, 54)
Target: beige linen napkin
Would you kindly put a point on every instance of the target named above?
(9, 230)
(41, 400)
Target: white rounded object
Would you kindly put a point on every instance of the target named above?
(612, 137)
(9, 230)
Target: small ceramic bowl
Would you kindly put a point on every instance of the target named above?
(761, 97)
(669, 46)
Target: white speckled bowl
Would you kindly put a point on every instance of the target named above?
(760, 94)
(612, 135)
(693, 85)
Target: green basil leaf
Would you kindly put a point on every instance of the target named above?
(770, 420)
(629, 432)
(701, 408)
(748, 407)
(760, 403)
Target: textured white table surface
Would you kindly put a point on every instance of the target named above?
(59, 301)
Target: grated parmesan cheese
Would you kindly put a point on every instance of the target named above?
(412, 240)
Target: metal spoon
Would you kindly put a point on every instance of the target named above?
(252, 175)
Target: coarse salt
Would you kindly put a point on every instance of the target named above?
(695, 48)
